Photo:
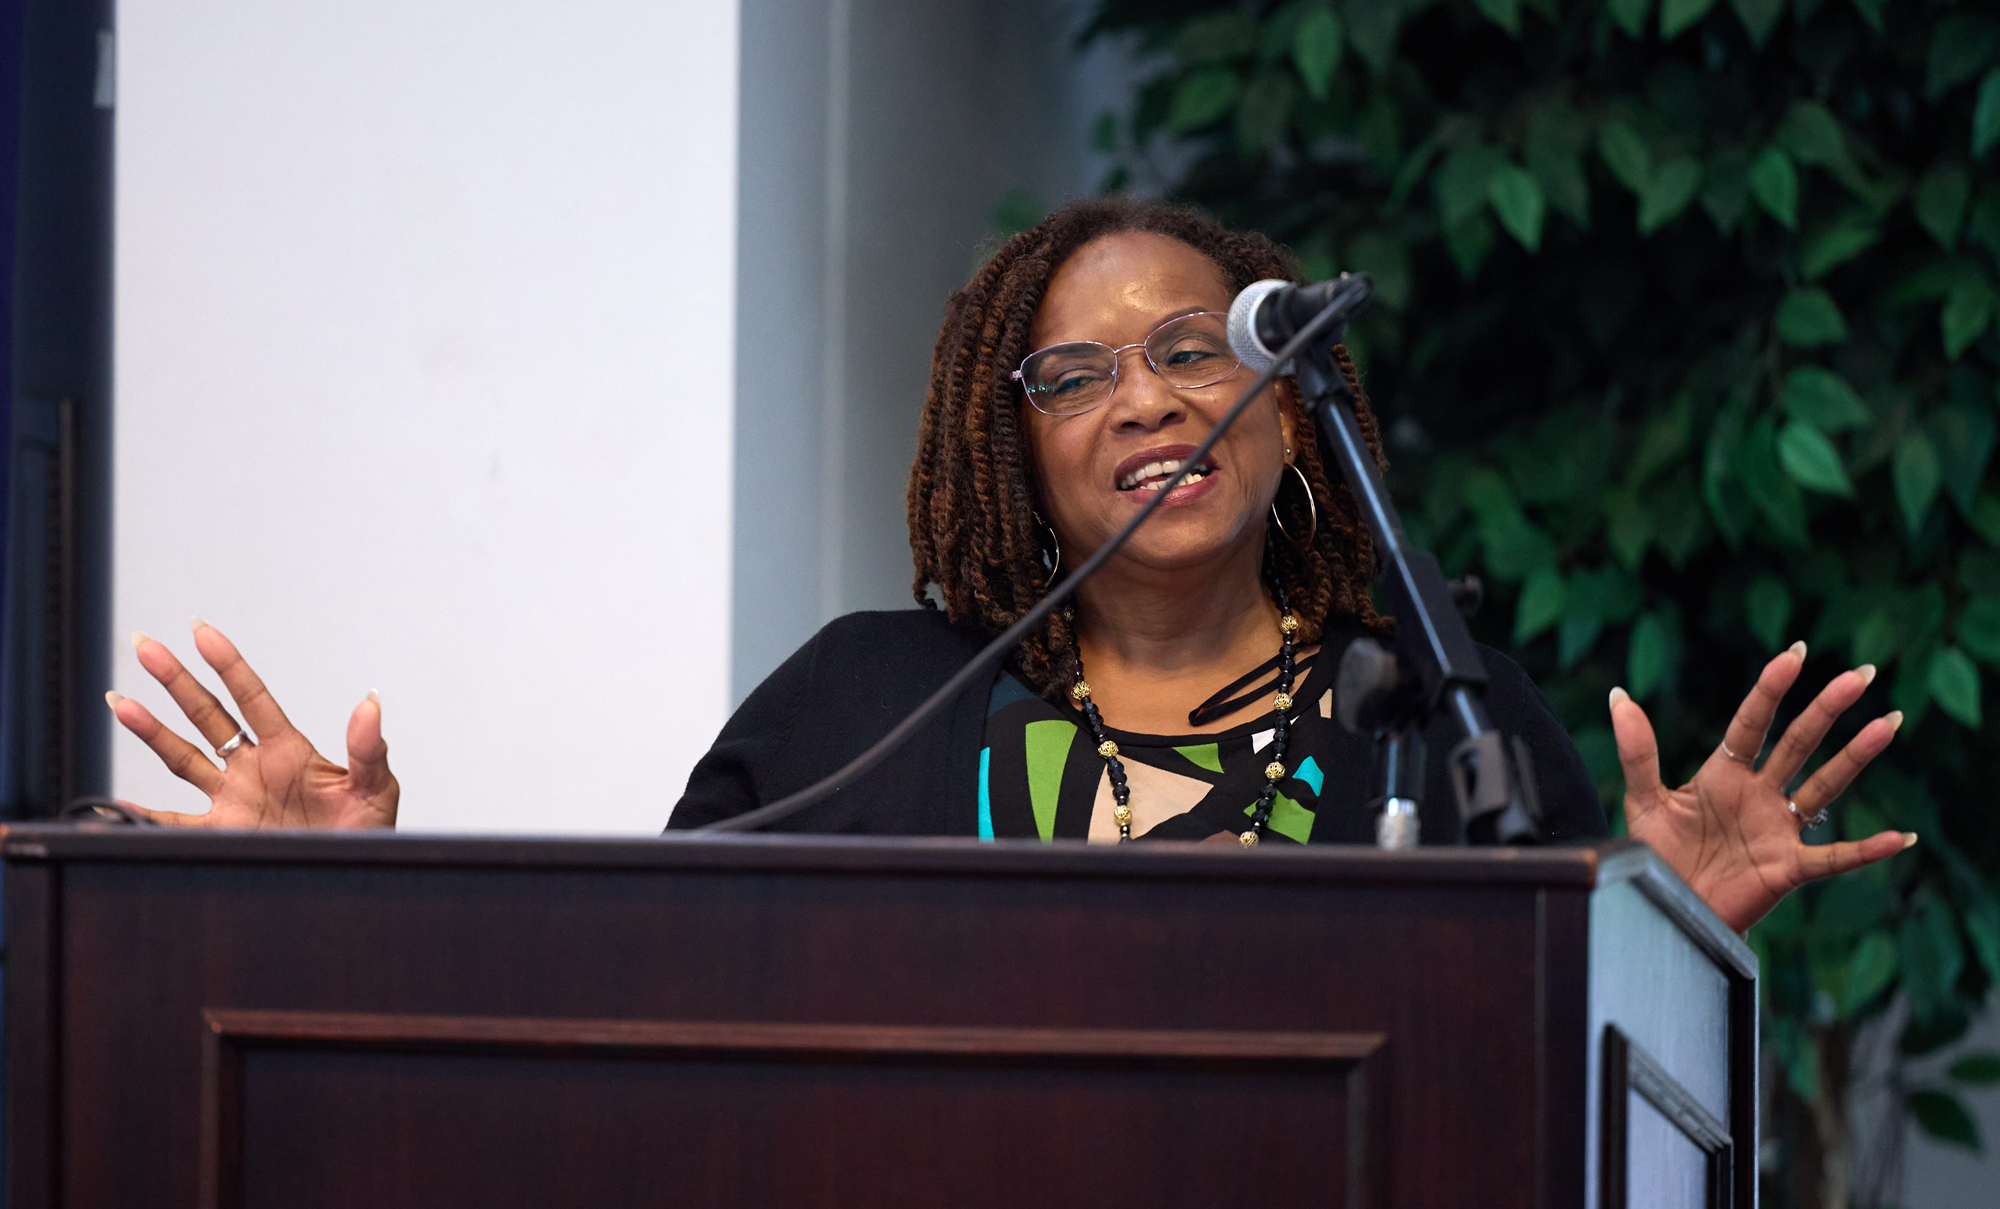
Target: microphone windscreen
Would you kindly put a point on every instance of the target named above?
(1243, 324)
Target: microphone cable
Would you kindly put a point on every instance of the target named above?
(984, 662)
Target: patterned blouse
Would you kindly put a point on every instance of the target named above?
(1040, 775)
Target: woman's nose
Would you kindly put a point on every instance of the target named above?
(1143, 398)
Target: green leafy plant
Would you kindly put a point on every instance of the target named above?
(1685, 343)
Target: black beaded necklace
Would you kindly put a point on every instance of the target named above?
(1274, 772)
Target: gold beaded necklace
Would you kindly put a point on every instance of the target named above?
(1274, 772)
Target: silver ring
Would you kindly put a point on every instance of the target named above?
(239, 739)
(1743, 760)
(1812, 821)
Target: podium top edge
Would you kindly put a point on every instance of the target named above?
(29, 843)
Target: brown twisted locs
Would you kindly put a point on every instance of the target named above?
(972, 496)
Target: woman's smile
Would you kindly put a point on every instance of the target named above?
(1146, 473)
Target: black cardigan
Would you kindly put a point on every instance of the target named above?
(862, 673)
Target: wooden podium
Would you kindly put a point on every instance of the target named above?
(303, 1020)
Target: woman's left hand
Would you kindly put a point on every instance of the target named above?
(1730, 832)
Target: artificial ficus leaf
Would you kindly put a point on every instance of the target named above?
(1811, 134)
(1758, 16)
(1631, 15)
(1725, 192)
(1877, 638)
(1822, 398)
(1986, 115)
(1954, 683)
(1626, 155)
(1668, 191)
(1968, 309)
(1833, 246)
(1468, 243)
(1215, 37)
(1982, 931)
(1372, 29)
(1775, 185)
(1808, 318)
(1461, 181)
(1943, 1117)
(1540, 604)
(1504, 13)
(1915, 474)
(1812, 461)
(1203, 97)
(1768, 606)
(1869, 972)
(1649, 659)
(1849, 906)
(1963, 435)
(1386, 260)
(1517, 199)
(1961, 43)
(1261, 114)
(1554, 153)
(1979, 629)
(1939, 202)
(1979, 1069)
(1774, 494)
(1628, 527)
(1677, 15)
(1928, 942)
(1316, 48)
(1984, 516)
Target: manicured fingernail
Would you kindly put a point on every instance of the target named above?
(1909, 838)
(196, 624)
(1797, 648)
(1618, 696)
(1867, 673)
(375, 697)
(112, 699)
(1895, 718)
(139, 637)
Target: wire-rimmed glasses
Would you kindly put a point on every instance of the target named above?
(1188, 352)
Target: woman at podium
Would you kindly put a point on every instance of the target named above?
(1187, 694)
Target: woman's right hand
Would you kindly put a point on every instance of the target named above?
(278, 781)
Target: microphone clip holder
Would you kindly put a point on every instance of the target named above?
(1431, 667)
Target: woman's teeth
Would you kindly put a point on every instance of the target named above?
(1154, 475)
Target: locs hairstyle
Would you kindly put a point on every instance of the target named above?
(972, 490)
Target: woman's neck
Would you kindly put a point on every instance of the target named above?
(1156, 645)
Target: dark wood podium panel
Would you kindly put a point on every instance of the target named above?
(279, 1019)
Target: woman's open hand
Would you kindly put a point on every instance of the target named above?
(1733, 832)
(276, 781)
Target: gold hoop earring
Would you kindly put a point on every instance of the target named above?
(1055, 560)
(1312, 527)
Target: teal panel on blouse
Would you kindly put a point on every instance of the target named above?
(1048, 743)
(985, 796)
(1310, 773)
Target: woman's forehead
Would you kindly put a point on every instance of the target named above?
(1117, 288)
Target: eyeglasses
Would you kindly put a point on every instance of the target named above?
(1070, 379)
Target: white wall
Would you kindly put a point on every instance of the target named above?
(424, 383)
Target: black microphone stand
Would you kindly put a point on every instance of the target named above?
(1433, 666)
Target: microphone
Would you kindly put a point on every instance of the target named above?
(1266, 315)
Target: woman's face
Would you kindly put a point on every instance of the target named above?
(1115, 290)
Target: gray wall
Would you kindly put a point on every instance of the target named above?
(877, 138)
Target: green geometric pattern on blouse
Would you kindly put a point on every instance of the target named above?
(1048, 743)
(1288, 818)
(1203, 755)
